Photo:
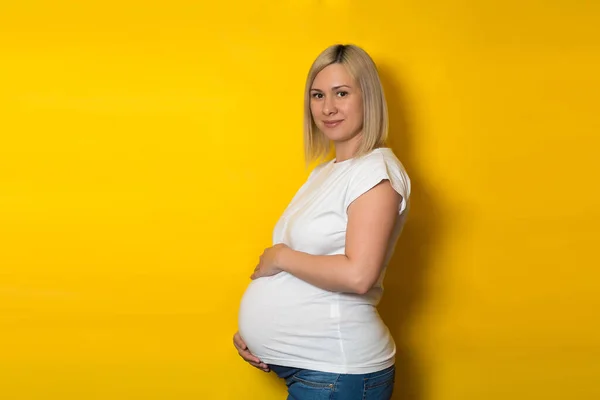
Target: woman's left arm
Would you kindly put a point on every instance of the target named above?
(371, 220)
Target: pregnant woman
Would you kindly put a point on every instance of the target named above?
(309, 314)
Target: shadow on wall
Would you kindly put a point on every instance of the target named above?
(406, 275)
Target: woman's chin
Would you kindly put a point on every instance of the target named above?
(336, 136)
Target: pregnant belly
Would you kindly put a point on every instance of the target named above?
(281, 315)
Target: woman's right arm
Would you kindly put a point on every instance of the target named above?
(250, 358)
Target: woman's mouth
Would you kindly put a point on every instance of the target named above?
(332, 124)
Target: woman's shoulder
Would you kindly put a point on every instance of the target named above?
(380, 158)
(380, 164)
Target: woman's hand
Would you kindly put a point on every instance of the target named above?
(246, 355)
(269, 263)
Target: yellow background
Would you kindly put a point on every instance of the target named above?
(147, 148)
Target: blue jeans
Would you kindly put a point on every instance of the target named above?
(304, 384)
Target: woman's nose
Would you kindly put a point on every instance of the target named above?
(329, 106)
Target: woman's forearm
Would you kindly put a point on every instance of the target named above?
(336, 273)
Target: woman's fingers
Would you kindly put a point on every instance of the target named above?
(255, 273)
(261, 366)
(253, 360)
(238, 342)
(247, 356)
(250, 358)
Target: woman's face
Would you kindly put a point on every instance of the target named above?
(336, 103)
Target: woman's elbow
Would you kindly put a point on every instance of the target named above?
(362, 283)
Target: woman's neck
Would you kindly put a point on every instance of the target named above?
(347, 149)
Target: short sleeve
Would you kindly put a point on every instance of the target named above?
(374, 169)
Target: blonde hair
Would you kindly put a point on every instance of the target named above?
(375, 114)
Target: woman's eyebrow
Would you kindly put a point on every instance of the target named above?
(333, 88)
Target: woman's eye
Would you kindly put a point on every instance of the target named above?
(317, 95)
(342, 94)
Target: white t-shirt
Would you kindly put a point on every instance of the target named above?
(289, 322)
